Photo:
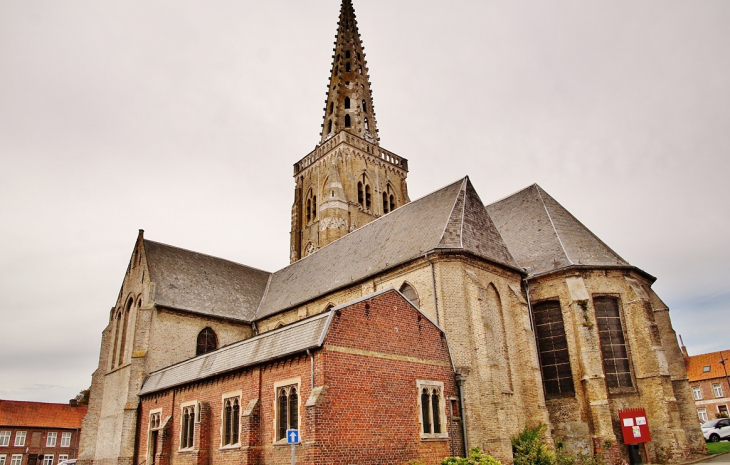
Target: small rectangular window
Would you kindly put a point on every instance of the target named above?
(20, 438)
(230, 424)
(431, 409)
(717, 389)
(65, 439)
(62, 457)
(3, 457)
(51, 439)
(287, 409)
(722, 410)
(702, 414)
(697, 392)
(187, 425)
(48, 459)
(16, 459)
(4, 438)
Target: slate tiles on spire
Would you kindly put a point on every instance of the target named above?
(349, 103)
(543, 236)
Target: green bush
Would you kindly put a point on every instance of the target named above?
(528, 448)
(476, 457)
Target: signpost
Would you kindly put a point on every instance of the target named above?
(292, 437)
(635, 430)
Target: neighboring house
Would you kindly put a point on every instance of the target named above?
(38, 433)
(708, 380)
(545, 324)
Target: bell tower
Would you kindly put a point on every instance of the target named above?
(348, 180)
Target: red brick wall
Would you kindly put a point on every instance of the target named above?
(367, 415)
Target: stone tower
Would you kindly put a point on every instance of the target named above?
(348, 180)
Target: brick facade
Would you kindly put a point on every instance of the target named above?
(34, 433)
(364, 407)
(708, 380)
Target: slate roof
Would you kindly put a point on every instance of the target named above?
(696, 363)
(41, 415)
(203, 284)
(291, 339)
(543, 236)
(451, 218)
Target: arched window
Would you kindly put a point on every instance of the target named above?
(116, 338)
(392, 202)
(207, 342)
(385, 203)
(123, 343)
(388, 200)
(332, 106)
(410, 293)
(368, 201)
(367, 124)
(360, 193)
(309, 210)
(347, 103)
(364, 106)
(314, 207)
(329, 127)
(347, 67)
(287, 409)
(347, 121)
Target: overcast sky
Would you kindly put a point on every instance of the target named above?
(183, 118)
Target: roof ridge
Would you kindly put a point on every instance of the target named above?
(533, 185)
(552, 223)
(586, 228)
(451, 212)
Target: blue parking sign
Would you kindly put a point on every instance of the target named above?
(292, 436)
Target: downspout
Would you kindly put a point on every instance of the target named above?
(433, 284)
(459, 381)
(255, 329)
(311, 358)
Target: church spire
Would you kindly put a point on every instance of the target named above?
(349, 104)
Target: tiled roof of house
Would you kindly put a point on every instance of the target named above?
(40, 414)
(696, 365)
(203, 284)
(452, 218)
(543, 236)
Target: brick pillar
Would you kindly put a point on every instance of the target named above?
(201, 435)
(251, 432)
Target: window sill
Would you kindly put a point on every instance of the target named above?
(434, 438)
(230, 447)
(186, 450)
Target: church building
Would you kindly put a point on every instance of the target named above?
(401, 330)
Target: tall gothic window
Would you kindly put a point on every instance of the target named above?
(231, 418)
(613, 346)
(187, 427)
(332, 104)
(368, 199)
(360, 193)
(123, 343)
(364, 106)
(207, 342)
(347, 121)
(557, 376)
(287, 409)
(432, 409)
(347, 103)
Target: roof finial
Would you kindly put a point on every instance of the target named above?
(349, 104)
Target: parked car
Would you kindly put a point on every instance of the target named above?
(717, 429)
(68, 462)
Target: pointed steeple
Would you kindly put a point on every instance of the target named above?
(349, 104)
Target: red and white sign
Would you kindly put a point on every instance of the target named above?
(634, 426)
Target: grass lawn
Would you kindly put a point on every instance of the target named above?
(718, 447)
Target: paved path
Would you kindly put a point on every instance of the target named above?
(720, 458)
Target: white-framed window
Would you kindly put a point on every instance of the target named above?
(187, 424)
(4, 438)
(62, 457)
(717, 389)
(286, 407)
(3, 457)
(65, 439)
(16, 459)
(231, 419)
(702, 414)
(431, 409)
(51, 439)
(48, 459)
(20, 438)
(152, 433)
(697, 392)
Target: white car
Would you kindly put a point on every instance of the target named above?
(714, 430)
(68, 462)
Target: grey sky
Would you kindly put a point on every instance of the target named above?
(184, 118)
